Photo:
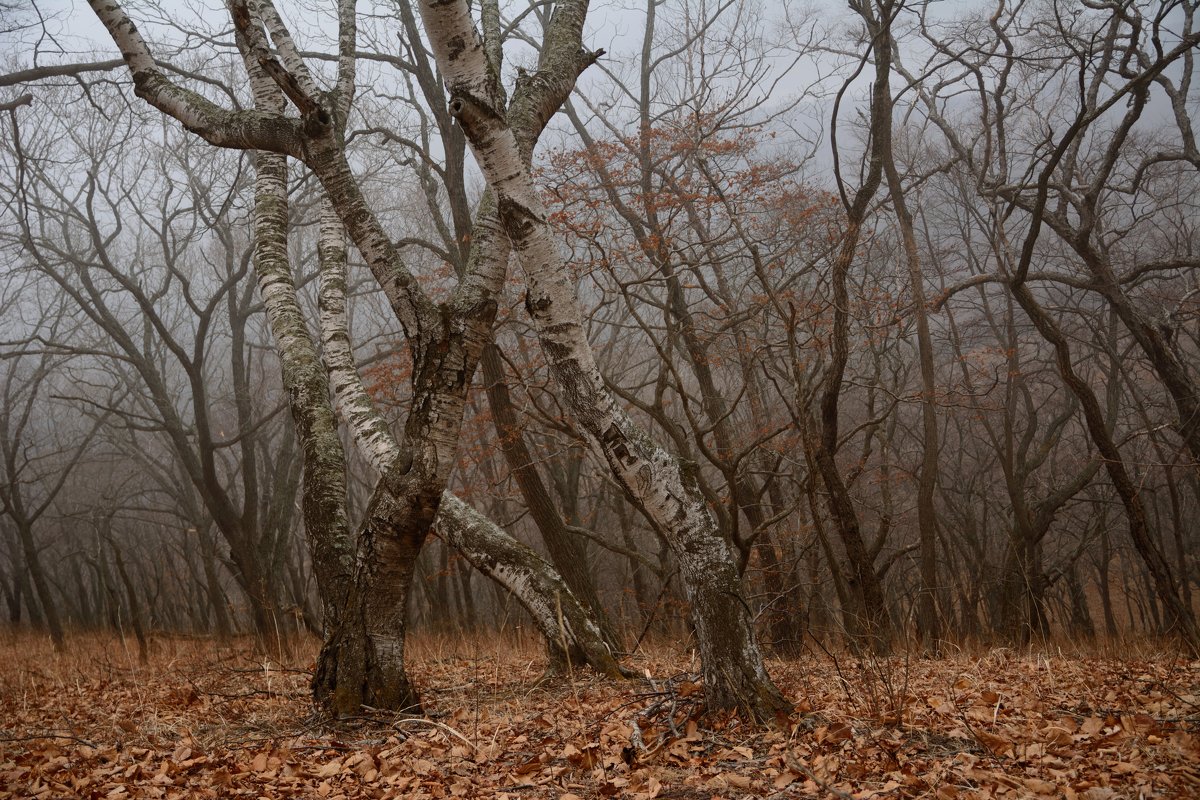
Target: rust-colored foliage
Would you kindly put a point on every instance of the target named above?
(207, 721)
(389, 379)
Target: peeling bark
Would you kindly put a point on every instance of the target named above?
(325, 521)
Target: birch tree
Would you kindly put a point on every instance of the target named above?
(365, 579)
(656, 481)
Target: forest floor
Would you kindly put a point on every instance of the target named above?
(204, 720)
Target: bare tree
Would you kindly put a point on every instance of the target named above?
(1112, 68)
(363, 659)
(37, 459)
(653, 479)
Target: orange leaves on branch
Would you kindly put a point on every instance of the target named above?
(389, 379)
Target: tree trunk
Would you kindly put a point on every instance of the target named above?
(324, 499)
(868, 624)
(42, 586)
(212, 585)
(928, 622)
(557, 612)
(641, 591)
(1103, 566)
(362, 662)
(863, 607)
(12, 597)
(565, 552)
(466, 600)
(1082, 626)
(657, 482)
(136, 617)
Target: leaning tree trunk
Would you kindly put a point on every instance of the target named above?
(657, 482)
(565, 552)
(568, 625)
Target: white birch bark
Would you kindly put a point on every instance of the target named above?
(325, 521)
(281, 37)
(359, 662)
(327, 526)
(540, 590)
(656, 481)
(558, 614)
(351, 399)
(242, 129)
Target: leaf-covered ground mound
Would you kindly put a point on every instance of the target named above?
(207, 720)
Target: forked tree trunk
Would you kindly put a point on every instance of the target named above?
(364, 596)
(1180, 619)
(362, 662)
(735, 677)
(324, 499)
(372, 631)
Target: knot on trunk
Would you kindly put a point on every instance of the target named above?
(476, 116)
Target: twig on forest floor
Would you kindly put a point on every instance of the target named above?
(435, 724)
(664, 710)
(48, 735)
(795, 765)
(971, 728)
(229, 697)
(259, 670)
(341, 748)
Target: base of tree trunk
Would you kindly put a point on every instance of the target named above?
(561, 663)
(355, 670)
(735, 678)
(750, 695)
